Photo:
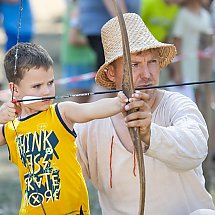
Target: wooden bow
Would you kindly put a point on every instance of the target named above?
(128, 89)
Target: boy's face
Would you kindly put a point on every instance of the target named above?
(39, 83)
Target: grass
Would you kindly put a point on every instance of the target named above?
(10, 194)
(94, 204)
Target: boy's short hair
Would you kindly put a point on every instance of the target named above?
(29, 55)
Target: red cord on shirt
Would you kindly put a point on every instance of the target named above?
(111, 154)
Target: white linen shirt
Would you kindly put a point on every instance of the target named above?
(173, 171)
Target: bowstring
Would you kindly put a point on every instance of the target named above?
(17, 48)
(18, 141)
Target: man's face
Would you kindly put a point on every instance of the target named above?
(145, 69)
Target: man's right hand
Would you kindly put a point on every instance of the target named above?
(141, 118)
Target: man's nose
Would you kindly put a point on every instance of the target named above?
(145, 73)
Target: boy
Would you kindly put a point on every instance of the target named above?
(41, 137)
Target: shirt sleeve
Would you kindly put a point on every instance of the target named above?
(181, 145)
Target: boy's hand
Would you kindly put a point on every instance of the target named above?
(7, 112)
(123, 100)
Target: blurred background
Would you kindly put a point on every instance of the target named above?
(54, 25)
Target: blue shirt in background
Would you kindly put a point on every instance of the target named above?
(93, 14)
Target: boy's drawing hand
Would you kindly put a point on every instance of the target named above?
(123, 100)
(7, 112)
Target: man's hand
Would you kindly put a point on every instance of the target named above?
(142, 117)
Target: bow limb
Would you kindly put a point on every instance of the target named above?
(128, 89)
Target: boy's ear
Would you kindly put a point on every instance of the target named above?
(13, 88)
(110, 73)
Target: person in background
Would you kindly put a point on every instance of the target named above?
(10, 11)
(176, 78)
(9, 14)
(192, 20)
(93, 15)
(172, 130)
(159, 16)
(77, 58)
(212, 9)
(207, 4)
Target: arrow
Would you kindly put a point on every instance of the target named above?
(32, 99)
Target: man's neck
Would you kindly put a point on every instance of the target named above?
(156, 100)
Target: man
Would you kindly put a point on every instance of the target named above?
(173, 133)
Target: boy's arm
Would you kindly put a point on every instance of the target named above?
(74, 112)
(2, 140)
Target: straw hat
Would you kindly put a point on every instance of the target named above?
(140, 39)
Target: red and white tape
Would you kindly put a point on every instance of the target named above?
(83, 77)
(202, 54)
(207, 53)
(5, 94)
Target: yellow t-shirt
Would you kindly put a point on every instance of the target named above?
(45, 154)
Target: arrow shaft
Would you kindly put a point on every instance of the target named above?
(115, 91)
